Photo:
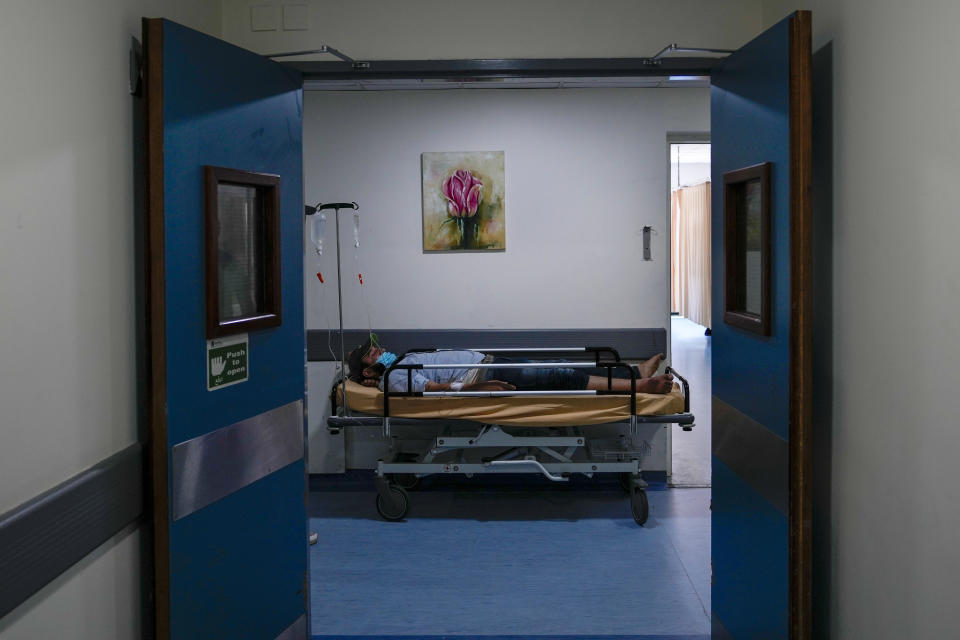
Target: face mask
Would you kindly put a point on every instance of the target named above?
(386, 359)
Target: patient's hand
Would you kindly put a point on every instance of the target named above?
(489, 385)
(370, 382)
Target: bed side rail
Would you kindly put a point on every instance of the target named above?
(685, 420)
(595, 351)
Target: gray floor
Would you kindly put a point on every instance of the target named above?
(512, 561)
(525, 561)
(691, 449)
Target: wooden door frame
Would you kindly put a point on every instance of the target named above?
(158, 499)
(801, 327)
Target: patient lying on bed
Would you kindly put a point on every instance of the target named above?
(369, 361)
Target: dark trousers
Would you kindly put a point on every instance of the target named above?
(549, 379)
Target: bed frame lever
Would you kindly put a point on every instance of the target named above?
(527, 461)
(684, 384)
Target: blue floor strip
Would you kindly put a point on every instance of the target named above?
(512, 564)
(456, 637)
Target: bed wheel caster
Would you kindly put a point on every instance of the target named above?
(393, 503)
(626, 481)
(639, 505)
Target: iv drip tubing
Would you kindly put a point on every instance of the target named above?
(343, 356)
(337, 206)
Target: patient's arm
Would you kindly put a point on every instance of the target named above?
(489, 385)
(485, 385)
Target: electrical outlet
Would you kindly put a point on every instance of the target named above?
(296, 17)
(263, 17)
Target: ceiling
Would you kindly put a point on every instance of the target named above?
(690, 153)
(415, 84)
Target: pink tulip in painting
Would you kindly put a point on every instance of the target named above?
(463, 192)
(463, 196)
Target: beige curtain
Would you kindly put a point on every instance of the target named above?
(690, 247)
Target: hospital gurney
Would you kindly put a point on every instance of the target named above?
(543, 432)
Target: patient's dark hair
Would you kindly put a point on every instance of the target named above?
(355, 360)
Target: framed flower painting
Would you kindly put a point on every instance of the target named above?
(463, 201)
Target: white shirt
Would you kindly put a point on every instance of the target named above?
(420, 377)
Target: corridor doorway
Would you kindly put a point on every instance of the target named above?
(690, 304)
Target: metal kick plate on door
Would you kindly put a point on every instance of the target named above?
(221, 462)
(296, 631)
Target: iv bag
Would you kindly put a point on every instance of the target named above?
(318, 229)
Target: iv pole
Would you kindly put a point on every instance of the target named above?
(336, 206)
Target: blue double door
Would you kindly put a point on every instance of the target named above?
(227, 461)
(229, 482)
(762, 393)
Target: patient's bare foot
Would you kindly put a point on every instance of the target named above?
(648, 368)
(656, 384)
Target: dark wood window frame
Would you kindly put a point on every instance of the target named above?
(268, 188)
(734, 285)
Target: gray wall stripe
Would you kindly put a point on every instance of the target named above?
(632, 344)
(756, 454)
(47, 535)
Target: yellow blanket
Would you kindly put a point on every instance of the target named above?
(527, 411)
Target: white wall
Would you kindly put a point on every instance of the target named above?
(896, 315)
(585, 171)
(438, 29)
(97, 598)
(67, 371)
